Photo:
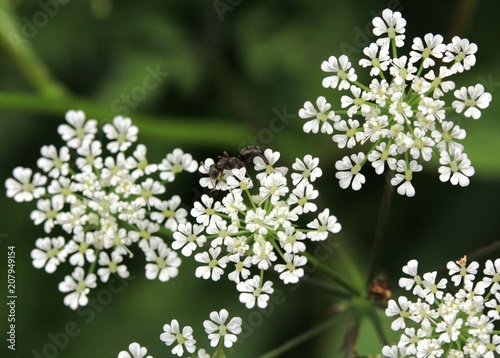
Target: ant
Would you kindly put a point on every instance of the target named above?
(225, 162)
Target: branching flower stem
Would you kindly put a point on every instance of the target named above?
(382, 219)
(332, 274)
(316, 330)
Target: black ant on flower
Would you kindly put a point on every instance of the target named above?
(225, 162)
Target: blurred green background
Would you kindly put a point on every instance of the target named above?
(227, 68)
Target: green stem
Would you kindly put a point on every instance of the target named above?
(173, 129)
(332, 274)
(378, 328)
(320, 285)
(18, 48)
(380, 228)
(323, 326)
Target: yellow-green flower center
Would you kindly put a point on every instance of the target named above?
(28, 187)
(351, 132)
(427, 52)
(180, 338)
(168, 213)
(52, 252)
(355, 169)
(142, 164)
(212, 263)
(81, 286)
(391, 32)
(322, 117)
(121, 138)
(177, 168)
(408, 175)
(83, 247)
(51, 214)
(470, 102)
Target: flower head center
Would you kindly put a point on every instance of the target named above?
(436, 82)
(142, 164)
(447, 137)
(243, 185)
(222, 330)
(52, 252)
(359, 101)
(322, 117)
(351, 132)
(83, 247)
(342, 74)
(427, 52)
(460, 56)
(213, 263)
(454, 166)
(81, 287)
(80, 133)
(408, 175)
(145, 234)
(391, 32)
(51, 214)
(177, 168)
(146, 194)
(496, 278)
(161, 263)
(419, 143)
(290, 267)
(121, 138)
(180, 338)
(66, 191)
(58, 162)
(404, 314)
(355, 169)
(239, 266)
(322, 228)
(302, 201)
(469, 102)
(168, 213)
(28, 187)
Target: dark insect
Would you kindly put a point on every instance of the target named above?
(248, 153)
(225, 162)
(379, 291)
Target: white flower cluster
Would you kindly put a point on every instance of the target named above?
(455, 324)
(220, 333)
(103, 202)
(401, 113)
(254, 225)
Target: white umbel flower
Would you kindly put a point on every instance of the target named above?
(23, 187)
(78, 285)
(218, 329)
